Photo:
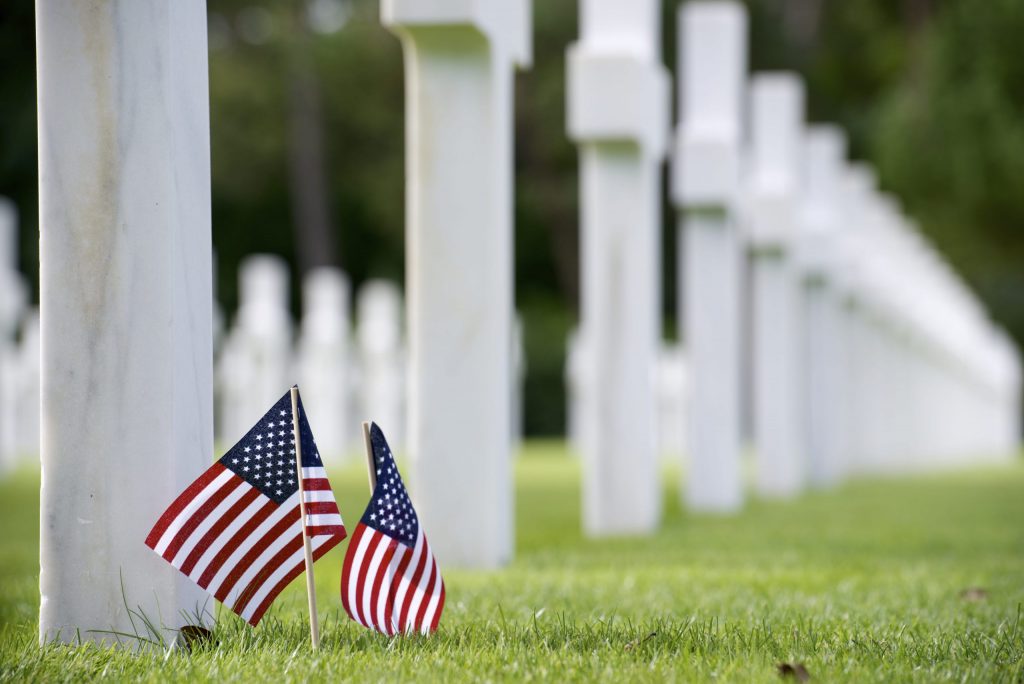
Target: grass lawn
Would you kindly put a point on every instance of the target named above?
(861, 584)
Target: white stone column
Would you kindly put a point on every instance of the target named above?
(459, 60)
(712, 73)
(618, 114)
(777, 113)
(324, 360)
(124, 190)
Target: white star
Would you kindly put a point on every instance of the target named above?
(234, 460)
(373, 516)
(246, 468)
(246, 459)
(279, 492)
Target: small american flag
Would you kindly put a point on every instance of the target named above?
(391, 581)
(235, 531)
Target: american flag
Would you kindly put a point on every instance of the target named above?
(235, 531)
(391, 581)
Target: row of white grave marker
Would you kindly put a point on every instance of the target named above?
(869, 355)
(258, 355)
(126, 288)
(344, 376)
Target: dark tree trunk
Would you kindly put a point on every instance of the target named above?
(917, 14)
(307, 175)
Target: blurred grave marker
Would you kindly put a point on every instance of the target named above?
(324, 360)
(771, 202)
(617, 105)
(712, 72)
(382, 357)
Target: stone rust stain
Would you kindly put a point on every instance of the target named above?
(95, 230)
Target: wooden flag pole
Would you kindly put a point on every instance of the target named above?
(371, 465)
(314, 622)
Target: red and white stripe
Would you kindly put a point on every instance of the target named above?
(235, 542)
(389, 587)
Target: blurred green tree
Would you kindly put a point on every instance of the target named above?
(307, 133)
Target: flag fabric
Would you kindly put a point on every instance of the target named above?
(236, 530)
(391, 581)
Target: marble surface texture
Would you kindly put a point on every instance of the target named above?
(459, 127)
(126, 304)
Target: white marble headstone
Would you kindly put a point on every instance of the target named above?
(672, 396)
(125, 294)
(325, 362)
(256, 360)
(382, 358)
(459, 64)
(26, 413)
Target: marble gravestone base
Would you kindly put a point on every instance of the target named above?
(125, 290)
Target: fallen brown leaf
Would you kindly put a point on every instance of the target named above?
(974, 594)
(190, 636)
(795, 670)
